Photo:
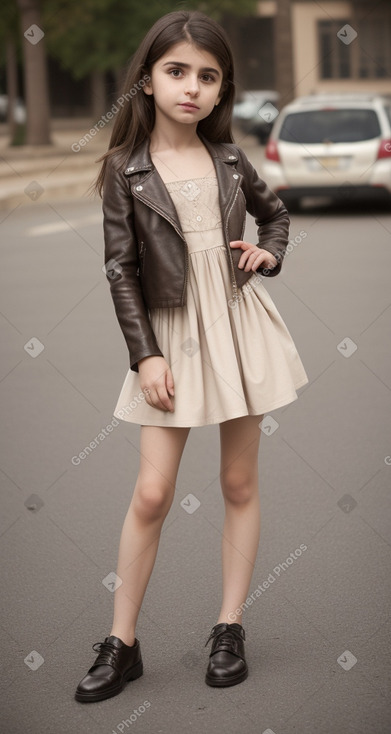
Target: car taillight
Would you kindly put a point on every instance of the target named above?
(271, 151)
(384, 149)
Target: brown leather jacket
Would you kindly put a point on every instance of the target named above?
(146, 257)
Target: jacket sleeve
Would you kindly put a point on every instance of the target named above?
(271, 215)
(121, 263)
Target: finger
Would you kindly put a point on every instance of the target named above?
(252, 259)
(244, 258)
(241, 243)
(164, 399)
(146, 391)
(151, 397)
(259, 258)
(170, 382)
(156, 402)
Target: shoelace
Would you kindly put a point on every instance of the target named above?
(106, 653)
(225, 635)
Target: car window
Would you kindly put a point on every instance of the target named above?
(337, 126)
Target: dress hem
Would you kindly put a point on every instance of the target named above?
(222, 419)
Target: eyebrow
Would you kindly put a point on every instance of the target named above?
(187, 66)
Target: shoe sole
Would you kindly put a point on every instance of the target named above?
(135, 672)
(222, 682)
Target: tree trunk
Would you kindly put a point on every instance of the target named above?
(35, 74)
(12, 85)
(283, 54)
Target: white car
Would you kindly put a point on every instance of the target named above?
(331, 145)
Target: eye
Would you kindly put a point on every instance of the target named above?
(173, 70)
(210, 78)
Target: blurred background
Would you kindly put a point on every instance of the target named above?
(312, 114)
(62, 66)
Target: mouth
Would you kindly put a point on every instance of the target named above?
(189, 105)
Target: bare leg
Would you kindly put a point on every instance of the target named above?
(239, 440)
(161, 449)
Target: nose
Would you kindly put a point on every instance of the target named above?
(192, 86)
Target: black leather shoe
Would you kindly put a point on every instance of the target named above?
(227, 665)
(115, 664)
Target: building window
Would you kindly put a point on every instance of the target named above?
(368, 56)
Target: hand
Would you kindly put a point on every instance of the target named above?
(157, 382)
(253, 256)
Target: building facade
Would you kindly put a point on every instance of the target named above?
(299, 47)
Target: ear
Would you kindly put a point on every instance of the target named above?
(147, 87)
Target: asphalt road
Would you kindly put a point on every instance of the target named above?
(318, 637)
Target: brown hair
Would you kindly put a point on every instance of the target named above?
(136, 118)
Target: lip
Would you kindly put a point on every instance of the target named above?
(189, 105)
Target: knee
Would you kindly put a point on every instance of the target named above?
(238, 487)
(152, 501)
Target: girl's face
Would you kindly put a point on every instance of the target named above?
(185, 83)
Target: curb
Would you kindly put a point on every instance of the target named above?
(55, 192)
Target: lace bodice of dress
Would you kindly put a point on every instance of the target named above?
(197, 203)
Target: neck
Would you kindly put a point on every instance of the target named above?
(173, 137)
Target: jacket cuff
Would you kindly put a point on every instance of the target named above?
(134, 362)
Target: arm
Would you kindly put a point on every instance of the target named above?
(271, 216)
(121, 261)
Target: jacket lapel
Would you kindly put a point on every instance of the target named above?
(223, 160)
(151, 190)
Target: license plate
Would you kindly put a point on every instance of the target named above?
(329, 161)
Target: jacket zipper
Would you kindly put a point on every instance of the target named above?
(234, 284)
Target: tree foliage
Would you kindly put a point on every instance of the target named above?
(101, 35)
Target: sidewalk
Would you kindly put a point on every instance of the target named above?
(58, 171)
(51, 172)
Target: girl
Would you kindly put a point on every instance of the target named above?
(206, 342)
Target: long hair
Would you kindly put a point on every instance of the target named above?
(136, 118)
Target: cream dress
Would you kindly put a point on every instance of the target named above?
(227, 358)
